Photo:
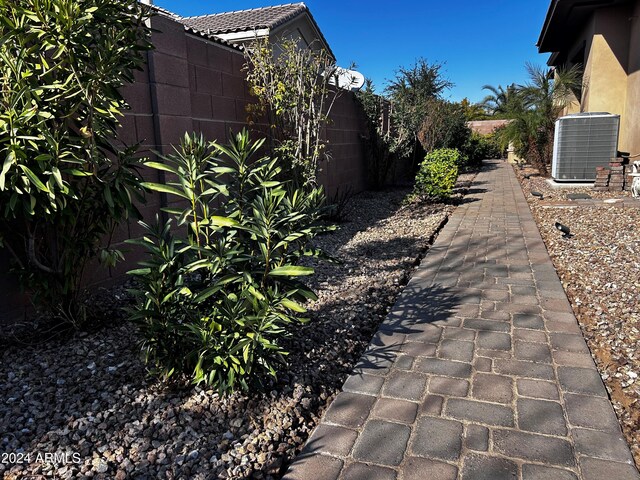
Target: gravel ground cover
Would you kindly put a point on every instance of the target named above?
(83, 407)
(600, 270)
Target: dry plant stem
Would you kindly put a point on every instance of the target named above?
(293, 90)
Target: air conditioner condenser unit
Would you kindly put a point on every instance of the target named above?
(584, 141)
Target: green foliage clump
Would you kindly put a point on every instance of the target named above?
(437, 175)
(480, 147)
(216, 300)
(64, 185)
(444, 127)
(414, 93)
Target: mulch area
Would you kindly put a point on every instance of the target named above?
(599, 266)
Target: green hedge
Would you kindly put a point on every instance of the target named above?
(437, 174)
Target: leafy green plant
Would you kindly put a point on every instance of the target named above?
(437, 175)
(64, 185)
(444, 126)
(480, 147)
(338, 208)
(216, 299)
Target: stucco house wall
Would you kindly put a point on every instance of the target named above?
(606, 42)
(631, 125)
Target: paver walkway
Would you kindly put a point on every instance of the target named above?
(480, 370)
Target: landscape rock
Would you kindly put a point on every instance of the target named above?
(599, 266)
(89, 394)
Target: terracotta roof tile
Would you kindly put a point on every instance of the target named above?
(166, 13)
(267, 17)
(486, 127)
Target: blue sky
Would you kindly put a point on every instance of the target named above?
(479, 41)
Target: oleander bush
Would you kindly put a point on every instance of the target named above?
(222, 282)
(437, 175)
(64, 184)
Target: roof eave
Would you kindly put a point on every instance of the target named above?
(566, 16)
(545, 27)
(315, 27)
(319, 32)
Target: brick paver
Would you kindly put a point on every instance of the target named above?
(479, 371)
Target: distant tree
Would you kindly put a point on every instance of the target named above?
(445, 126)
(412, 93)
(473, 111)
(500, 100)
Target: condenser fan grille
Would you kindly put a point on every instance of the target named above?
(583, 142)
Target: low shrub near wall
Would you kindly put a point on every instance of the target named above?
(214, 303)
(481, 147)
(437, 175)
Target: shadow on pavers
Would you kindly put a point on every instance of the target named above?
(417, 307)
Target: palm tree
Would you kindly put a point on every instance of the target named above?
(498, 102)
(534, 109)
(473, 111)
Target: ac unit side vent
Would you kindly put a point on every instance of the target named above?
(583, 142)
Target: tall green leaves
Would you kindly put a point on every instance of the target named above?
(63, 184)
(216, 299)
(499, 102)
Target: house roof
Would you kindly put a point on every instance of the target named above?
(486, 127)
(564, 19)
(253, 19)
(243, 20)
(166, 13)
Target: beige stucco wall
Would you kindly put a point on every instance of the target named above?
(605, 82)
(611, 83)
(512, 157)
(631, 120)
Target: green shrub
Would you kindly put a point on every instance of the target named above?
(64, 184)
(481, 147)
(215, 302)
(437, 174)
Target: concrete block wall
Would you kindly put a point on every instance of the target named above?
(192, 84)
(346, 166)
